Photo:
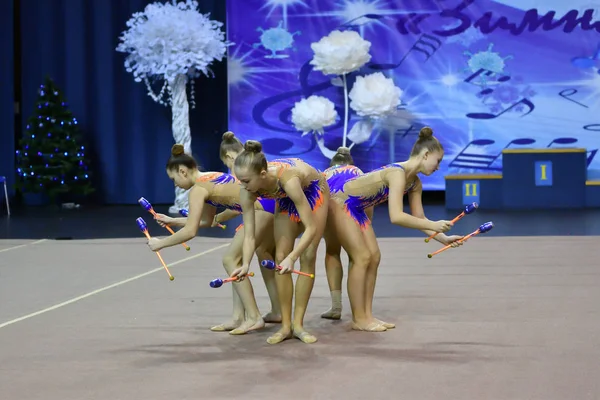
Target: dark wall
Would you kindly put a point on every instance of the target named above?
(129, 135)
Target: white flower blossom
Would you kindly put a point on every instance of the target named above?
(374, 95)
(313, 114)
(340, 52)
(169, 39)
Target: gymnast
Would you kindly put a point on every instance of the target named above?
(214, 189)
(230, 148)
(341, 169)
(302, 196)
(388, 183)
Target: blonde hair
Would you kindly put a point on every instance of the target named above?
(252, 157)
(426, 141)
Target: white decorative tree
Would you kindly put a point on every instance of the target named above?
(175, 43)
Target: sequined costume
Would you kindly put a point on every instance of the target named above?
(313, 183)
(365, 191)
(224, 191)
(338, 175)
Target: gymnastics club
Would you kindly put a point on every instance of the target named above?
(270, 264)
(217, 283)
(144, 228)
(482, 229)
(184, 213)
(148, 207)
(468, 210)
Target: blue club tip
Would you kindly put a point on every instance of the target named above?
(145, 203)
(486, 227)
(141, 224)
(270, 264)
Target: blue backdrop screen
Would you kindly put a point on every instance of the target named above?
(485, 75)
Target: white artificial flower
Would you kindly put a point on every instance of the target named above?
(169, 39)
(340, 52)
(374, 95)
(313, 114)
(361, 131)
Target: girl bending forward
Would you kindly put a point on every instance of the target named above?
(302, 198)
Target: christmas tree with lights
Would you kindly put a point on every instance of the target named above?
(51, 158)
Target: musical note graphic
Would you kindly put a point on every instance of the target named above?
(592, 127)
(487, 90)
(425, 44)
(568, 140)
(483, 115)
(483, 74)
(475, 155)
(567, 93)
(411, 130)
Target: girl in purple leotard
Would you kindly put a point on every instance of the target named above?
(209, 190)
(349, 216)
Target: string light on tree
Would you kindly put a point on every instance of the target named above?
(51, 158)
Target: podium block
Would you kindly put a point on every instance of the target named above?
(544, 178)
(461, 190)
(592, 194)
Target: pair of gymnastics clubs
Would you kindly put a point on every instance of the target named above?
(217, 283)
(144, 228)
(148, 207)
(482, 229)
(468, 210)
(184, 213)
(270, 264)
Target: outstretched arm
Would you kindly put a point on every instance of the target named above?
(396, 184)
(197, 198)
(226, 215)
(206, 221)
(293, 188)
(247, 200)
(415, 200)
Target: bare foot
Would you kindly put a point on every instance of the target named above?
(332, 313)
(368, 326)
(247, 326)
(228, 326)
(387, 325)
(272, 317)
(280, 336)
(304, 336)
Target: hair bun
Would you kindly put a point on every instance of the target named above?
(425, 133)
(344, 151)
(228, 136)
(252, 146)
(177, 150)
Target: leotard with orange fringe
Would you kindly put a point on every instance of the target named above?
(367, 190)
(313, 184)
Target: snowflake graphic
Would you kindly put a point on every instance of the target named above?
(487, 60)
(468, 38)
(276, 40)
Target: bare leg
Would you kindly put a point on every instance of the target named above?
(266, 251)
(286, 232)
(373, 246)
(238, 308)
(231, 261)
(236, 319)
(333, 269)
(353, 242)
(304, 284)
